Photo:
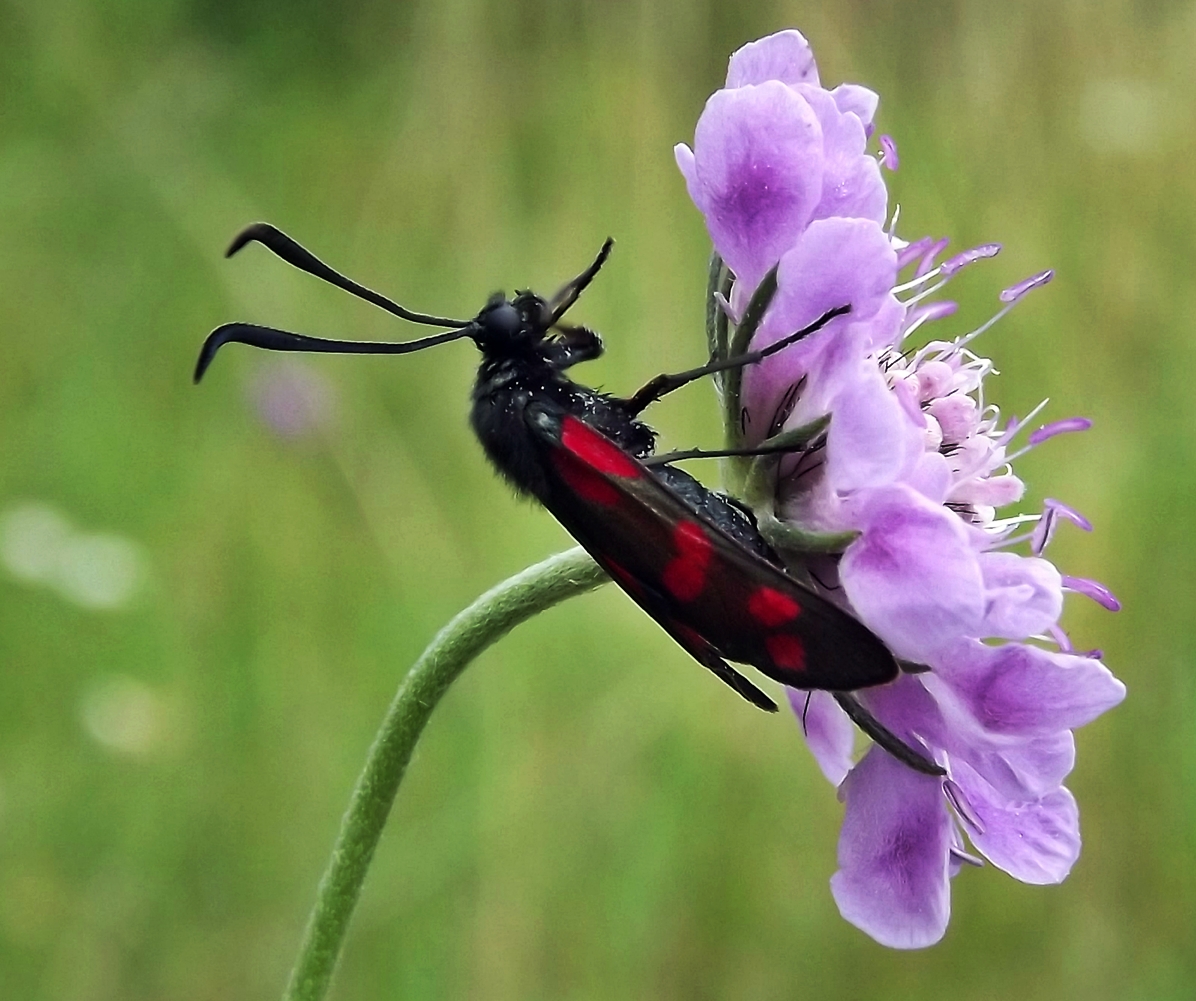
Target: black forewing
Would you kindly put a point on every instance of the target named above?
(693, 578)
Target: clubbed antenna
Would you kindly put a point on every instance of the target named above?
(272, 339)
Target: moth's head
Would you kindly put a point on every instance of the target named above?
(510, 326)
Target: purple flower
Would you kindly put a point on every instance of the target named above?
(774, 152)
(915, 468)
(292, 399)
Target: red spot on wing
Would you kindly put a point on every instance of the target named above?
(584, 481)
(596, 450)
(787, 651)
(772, 608)
(684, 576)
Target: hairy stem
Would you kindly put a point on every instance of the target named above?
(488, 619)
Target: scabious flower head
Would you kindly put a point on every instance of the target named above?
(913, 474)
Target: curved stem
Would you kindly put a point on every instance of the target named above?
(488, 619)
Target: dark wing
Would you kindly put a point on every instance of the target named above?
(711, 593)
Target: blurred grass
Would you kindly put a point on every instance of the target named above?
(588, 816)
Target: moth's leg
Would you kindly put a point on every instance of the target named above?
(559, 304)
(665, 383)
(885, 737)
(573, 345)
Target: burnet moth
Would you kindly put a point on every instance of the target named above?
(691, 557)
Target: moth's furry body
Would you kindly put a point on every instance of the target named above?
(522, 364)
(691, 557)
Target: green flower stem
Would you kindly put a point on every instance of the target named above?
(484, 622)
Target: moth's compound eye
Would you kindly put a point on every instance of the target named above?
(503, 321)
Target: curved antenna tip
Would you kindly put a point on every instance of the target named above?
(212, 343)
(249, 234)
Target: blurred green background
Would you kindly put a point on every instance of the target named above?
(208, 596)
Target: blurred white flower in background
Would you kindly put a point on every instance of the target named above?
(125, 715)
(1127, 116)
(95, 570)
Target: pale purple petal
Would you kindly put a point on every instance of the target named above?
(1018, 769)
(894, 854)
(1026, 691)
(835, 262)
(907, 399)
(1095, 590)
(1025, 769)
(883, 328)
(1064, 426)
(689, 170)
(931, 477)
(872, 440)
(1023, 595)
(995, 491)
(829, 734)
(913, 575)
(852, 186)
(756, 174)
(1015, 292)
(1036, 841)
(785, 56)
(1021, 767)
(909, 710)
(860, 101)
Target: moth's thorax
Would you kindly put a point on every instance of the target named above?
(507, 383)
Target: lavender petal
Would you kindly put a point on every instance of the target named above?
(1036, 841)
(784, 56)
(859, 101)
(755, 173)
(913, 575)
(1023, 595)
(829, 733)
(894, 854)
(1017, 690)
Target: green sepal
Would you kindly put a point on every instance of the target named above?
(718, 280)
(756, 308)
(789, 538)
(759, 481)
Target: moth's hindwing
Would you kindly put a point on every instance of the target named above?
(693, 578)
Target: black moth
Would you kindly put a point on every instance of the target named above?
(691, 557)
